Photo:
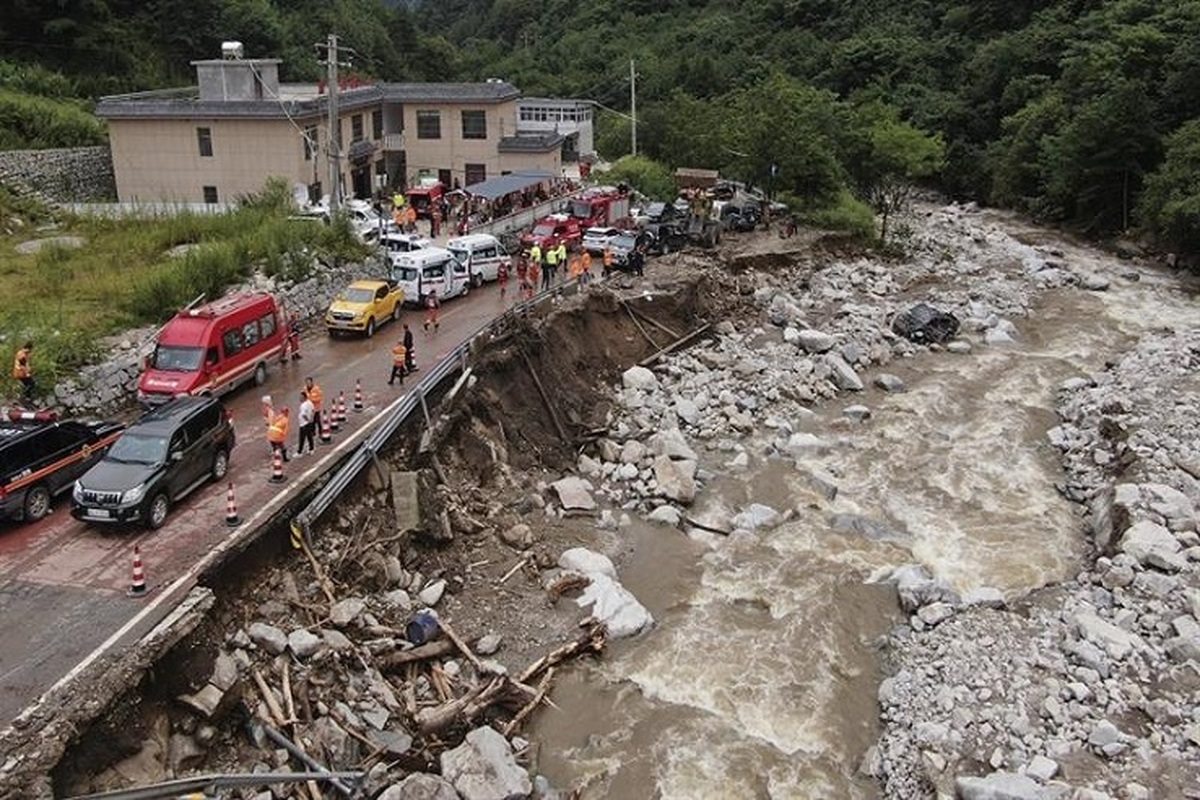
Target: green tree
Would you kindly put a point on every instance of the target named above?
(1170, 206)
(886, 157)
(788, 125)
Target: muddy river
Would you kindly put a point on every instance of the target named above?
(760, 676)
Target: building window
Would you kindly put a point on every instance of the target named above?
(474, 124)
(210, 194)
(356, 128)
(429, 124)
(376, 125)
(204, 137)
(475, 173)
(310, 143)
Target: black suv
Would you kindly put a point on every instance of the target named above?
(41, 456)
(159, 459)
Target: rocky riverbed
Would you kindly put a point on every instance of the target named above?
(1085, 687)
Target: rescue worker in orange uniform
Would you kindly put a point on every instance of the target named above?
(277, 433)
(399, 362)
(608, 260)
(23, 371)
(585, 261)
(316, 397)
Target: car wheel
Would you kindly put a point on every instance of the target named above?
(260, 374)
(396, 313)
(664, 249)
(466, 287)
(477, 280)
(220, 465)
(157, 510)
(370, 327)
(37, 503)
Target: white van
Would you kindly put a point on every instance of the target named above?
(395, 244)
(430, 269)
(481, 253)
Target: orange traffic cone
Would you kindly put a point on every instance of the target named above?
(334, 422)
(137, 587)
(341, 412)
(326, 435)
(358, 403)
(277, 467)
(231, 515)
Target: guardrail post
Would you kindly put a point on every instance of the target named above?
(424, 408)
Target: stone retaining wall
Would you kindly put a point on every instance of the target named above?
(60, 175)
(111, 386)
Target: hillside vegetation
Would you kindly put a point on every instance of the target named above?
(1081, 112)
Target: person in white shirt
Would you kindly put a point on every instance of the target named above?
(308, 424)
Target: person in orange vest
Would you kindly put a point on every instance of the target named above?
(410, 219)
(316, 397)
(399, 362)
(277, 433)
(575, 268)
(608, 260)
(23, 371)
(585, 261)
(432, 304)
(435, 222)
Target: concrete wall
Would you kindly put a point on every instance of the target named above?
(160, 159)
(63, 175)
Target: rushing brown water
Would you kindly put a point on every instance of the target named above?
(759, 679)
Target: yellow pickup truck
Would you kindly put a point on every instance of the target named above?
(363, 306)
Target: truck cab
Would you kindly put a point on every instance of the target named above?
(549, 231)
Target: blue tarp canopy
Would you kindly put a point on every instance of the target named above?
(493, 188)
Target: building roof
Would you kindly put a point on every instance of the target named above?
(493, 91)
(186, 102)
(542, 142)
(501, 185)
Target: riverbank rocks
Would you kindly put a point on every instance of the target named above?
(483, 768)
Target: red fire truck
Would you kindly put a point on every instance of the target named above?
(601, 206)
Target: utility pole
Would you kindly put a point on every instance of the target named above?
(632, 109)
(335, 123)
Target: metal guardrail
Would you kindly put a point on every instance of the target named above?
(454, 363)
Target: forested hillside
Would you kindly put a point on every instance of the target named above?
(1083, 112)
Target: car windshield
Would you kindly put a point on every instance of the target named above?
(543, 230)
(405, 273)
(624, 241)
(133, 448)
(178, 359)
(356, 294)
(461, 256)
(656, 210)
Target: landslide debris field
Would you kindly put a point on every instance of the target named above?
(484, 555)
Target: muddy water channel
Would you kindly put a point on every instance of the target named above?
(759, 678)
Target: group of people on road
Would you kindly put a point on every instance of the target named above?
(308, 418)
(539, 267)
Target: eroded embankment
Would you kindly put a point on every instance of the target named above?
(315, 646)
